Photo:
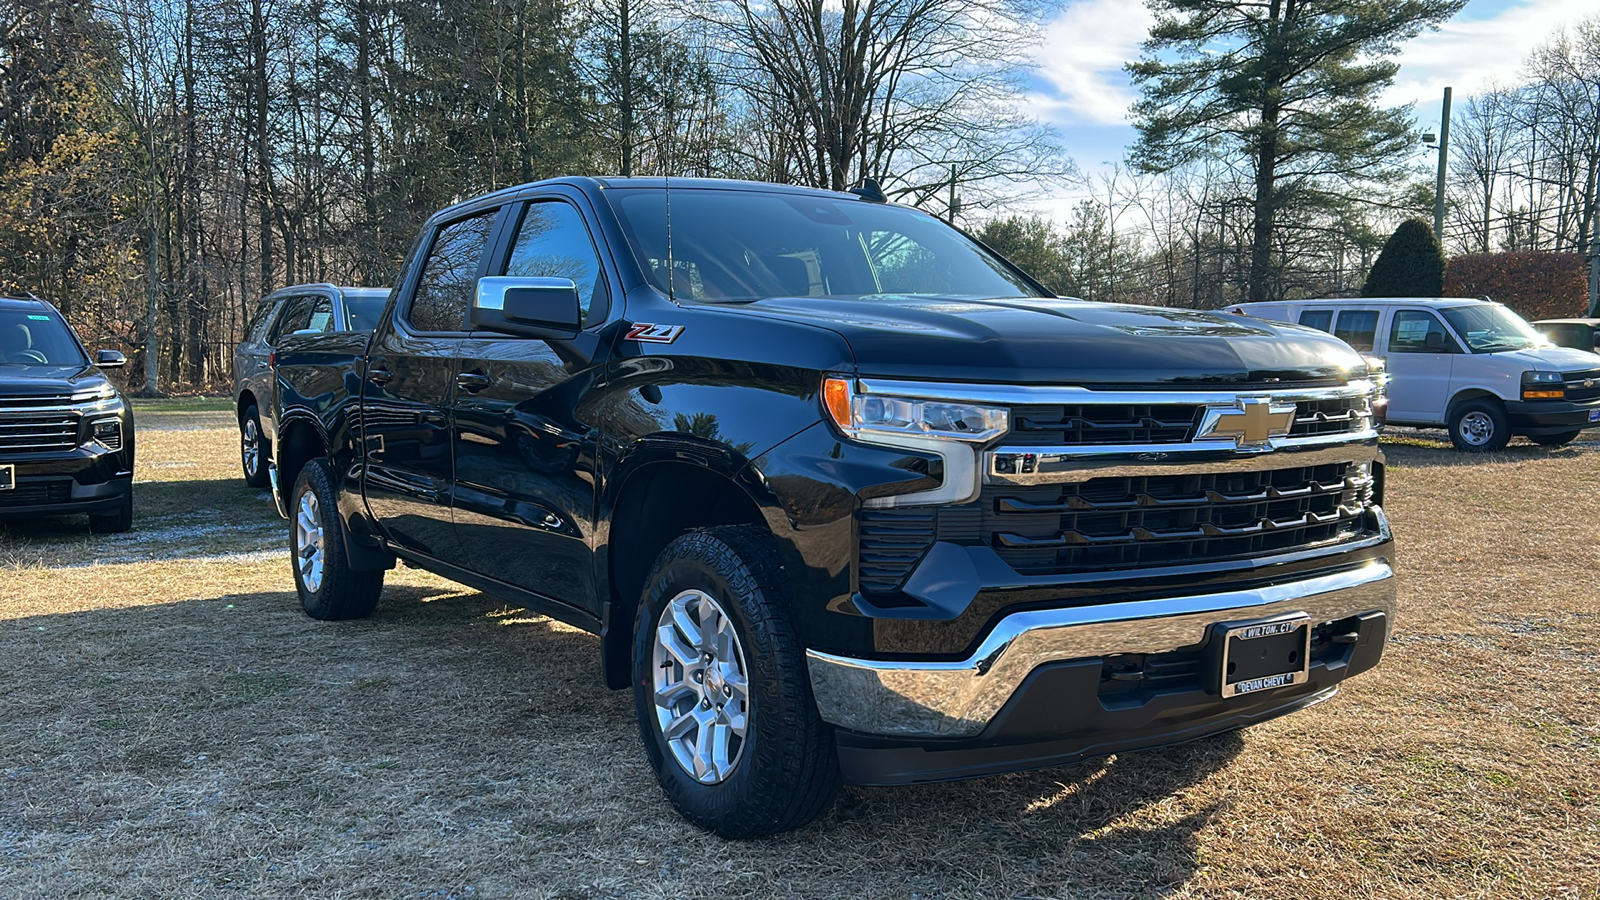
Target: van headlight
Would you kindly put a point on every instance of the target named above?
(950, 429)
(1543, 386)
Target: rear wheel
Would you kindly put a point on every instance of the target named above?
(1479, 426)
(721, 692)
(252, 448)
(1555, 440)
(329, 588)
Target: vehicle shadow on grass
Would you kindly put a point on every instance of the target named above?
(1432, 451)
(453, 712)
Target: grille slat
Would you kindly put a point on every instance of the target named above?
(21, 430)
(1119, 523)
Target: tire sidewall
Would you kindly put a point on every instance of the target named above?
(314, 478)
(666, 582)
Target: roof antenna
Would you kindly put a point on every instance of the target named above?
(869, 191)
(672, 275)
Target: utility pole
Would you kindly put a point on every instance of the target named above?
(1444, 157)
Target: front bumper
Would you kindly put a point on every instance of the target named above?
(1033, 693)
(1540, 417)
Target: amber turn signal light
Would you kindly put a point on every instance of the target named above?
(836, 397)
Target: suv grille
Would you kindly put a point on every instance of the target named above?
(32, 431)
(38, 492)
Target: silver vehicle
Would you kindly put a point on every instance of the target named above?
(299, 309)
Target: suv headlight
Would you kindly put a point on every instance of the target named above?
(1543, 386)
(951, 430)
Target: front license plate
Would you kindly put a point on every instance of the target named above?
(1594, 415)
(8, 477)
(1261, 656)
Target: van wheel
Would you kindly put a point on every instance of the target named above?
(721, 691)
(1479, 426)
(1555, 440)
(328, 587)
(253, 449)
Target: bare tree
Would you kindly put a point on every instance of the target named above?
(918, 94)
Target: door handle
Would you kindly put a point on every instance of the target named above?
(379, 375)
(472, 382)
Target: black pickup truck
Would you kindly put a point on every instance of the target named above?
(845, 494)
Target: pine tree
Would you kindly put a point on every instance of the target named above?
(1411, 264)
(1291, 85)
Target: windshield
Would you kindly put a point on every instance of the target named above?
(731, 246)
(1491, 327)
(363, 308)
(37, 338)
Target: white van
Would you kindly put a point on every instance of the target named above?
(1471, 366)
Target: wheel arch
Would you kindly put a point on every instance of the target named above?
(661, 494)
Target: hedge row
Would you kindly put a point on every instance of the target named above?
(1536, 285)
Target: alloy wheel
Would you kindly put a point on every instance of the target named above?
(309, 549)
(702, 695)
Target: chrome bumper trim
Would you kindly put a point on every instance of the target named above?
(1070, 465)
(957, 699)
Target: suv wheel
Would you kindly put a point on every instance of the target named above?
(721, 692)
(328, 587)
(1479, 426)
(252, 448)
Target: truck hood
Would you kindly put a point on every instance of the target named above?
(1552, 359)
(1060, 341)
(32, 381)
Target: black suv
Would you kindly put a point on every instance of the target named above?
(66, 434)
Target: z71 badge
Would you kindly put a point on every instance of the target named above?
(655, 334)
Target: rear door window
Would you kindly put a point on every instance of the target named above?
(296, 316)
(1357, 327)
(321, 318)
(1320, 319)
(450, 274)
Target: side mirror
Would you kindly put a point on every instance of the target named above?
(545, 308)
(110, 359)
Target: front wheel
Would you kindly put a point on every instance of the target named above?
(1479, 426)
(329, 588)
(114, 522)
(252, 448)
(1555, 440)
(721, 692)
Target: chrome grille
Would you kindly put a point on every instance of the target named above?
(1336, 415)
(37, 430)
(1582, 386)
(1129, 522)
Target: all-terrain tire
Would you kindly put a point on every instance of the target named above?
(1479, 426)
(114, 522)
(253, 448)
(787, 772)
(329, 588)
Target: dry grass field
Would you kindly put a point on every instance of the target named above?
(171, 725)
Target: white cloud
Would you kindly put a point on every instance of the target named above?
(1471, 54)
(1080, 57)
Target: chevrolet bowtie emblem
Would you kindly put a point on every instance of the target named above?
(1251, 424)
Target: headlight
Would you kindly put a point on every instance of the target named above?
(856, 413)
(1543, 386)
(951, 430)
(108, 432)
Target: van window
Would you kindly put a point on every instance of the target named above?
(1419, 331)
(1320, 319)
(1357, 327)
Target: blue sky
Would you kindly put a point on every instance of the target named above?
(1079, 86)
